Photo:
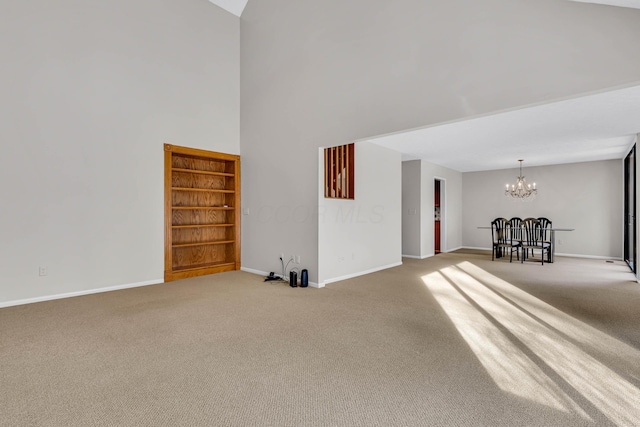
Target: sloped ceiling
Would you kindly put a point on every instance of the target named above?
(635, 4)
(237, 6)
(596, 127)
(233, 6)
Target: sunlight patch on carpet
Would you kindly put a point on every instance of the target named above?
(493, 315)
(508, 366)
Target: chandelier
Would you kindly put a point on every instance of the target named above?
(521, 190)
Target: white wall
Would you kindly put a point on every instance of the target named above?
(411, 208)
(450, 211)
(364, 234)
(326, 73)
(418, 178)
(90, 92)
(585, 196)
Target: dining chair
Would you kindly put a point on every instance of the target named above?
(545, 234)
(502, 239)
(516, 231)
(531, 239)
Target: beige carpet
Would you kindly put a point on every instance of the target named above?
(454, 340)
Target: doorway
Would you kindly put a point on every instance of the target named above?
(437, 220)
(630, 248)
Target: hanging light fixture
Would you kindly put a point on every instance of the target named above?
(521, 190)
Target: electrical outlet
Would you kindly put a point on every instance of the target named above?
(293, 258)
(297, 259)
(282, 256)
(42, 271)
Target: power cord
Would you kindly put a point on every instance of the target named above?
(282, 278)
(284, 269)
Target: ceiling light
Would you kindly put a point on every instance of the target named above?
(521, 190)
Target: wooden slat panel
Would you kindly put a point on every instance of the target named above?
(331, 161)
(326, 183)
(348, 172)
(340, 175)
(352, 171)
(336, 165)
(339, 172)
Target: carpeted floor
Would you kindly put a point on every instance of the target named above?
(453, 340)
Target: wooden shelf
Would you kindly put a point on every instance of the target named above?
(202, 212)
(201, 226)
(199, 172)
(217, 242)
(217, 208)
(200, 266)
(204, 190)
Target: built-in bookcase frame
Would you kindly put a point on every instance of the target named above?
(202, 212)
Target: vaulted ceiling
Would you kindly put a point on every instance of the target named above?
(595, 127)
(233, 6)
(601, 126)
(237, 6)
(621, 3)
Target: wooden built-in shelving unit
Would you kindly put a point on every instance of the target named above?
(202, 212)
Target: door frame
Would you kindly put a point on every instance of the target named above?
(443, 213)
(630, 203)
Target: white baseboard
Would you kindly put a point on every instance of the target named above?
(265, 274)
(429, 255)
(253, 271)
(475, 248)
(361, 273)
(79, 293)
(589, 256)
